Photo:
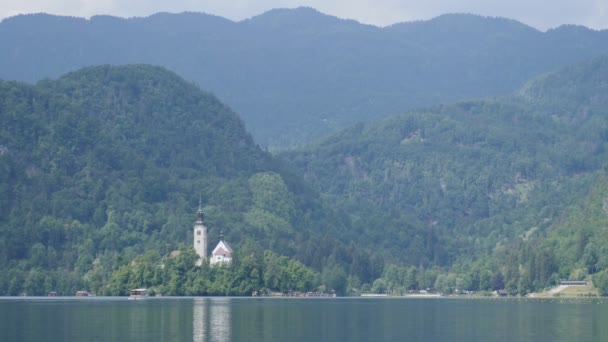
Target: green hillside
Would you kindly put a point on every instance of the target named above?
(464, 185)
(296, 75)
(102, 169)
(107, 164)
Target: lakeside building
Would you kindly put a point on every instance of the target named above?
(200, 236)
(221, 254)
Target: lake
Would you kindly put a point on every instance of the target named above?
(294, 320)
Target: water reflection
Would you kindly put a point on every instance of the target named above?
(303, 320)
(211, 319)
(199, 321)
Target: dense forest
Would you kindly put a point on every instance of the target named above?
(102, 169)
(296, 75)
(478, 186)
(107, 164)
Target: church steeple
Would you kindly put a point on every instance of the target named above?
(199, 213)
(200, 235)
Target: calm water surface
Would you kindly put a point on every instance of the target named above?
(295, 320)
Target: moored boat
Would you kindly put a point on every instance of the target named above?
(138, 294)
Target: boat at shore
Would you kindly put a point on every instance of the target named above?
(138, 294)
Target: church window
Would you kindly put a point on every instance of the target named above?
(198, 232)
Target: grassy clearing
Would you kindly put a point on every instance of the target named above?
(570, 291)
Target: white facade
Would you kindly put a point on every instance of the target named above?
(222, 253)
(200, 237)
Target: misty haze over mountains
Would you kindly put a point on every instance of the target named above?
(481, 164)
(295, 75)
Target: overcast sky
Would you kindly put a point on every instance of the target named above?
(541, 14)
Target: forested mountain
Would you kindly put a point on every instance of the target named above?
(297, 75)
(101, 169)
(474, 182)
(107, 164)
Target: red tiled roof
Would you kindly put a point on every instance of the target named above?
(220, 251)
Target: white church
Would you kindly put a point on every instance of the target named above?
(221, 254)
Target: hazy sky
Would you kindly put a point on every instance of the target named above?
(542, 14)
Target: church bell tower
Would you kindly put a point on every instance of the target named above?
(200, 236)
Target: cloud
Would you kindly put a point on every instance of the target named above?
(541, 14)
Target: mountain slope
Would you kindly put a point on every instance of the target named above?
(107, 163)
(296, 75)
(457, 182)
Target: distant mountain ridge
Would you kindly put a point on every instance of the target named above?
(295, 75)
